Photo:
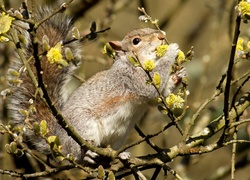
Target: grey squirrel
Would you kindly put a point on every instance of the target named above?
(103, 109)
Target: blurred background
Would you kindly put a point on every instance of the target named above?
(207, 25)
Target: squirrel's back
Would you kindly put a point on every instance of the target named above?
(25, 96)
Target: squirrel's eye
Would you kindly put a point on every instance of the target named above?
(136, 41)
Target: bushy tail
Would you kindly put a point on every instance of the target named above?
(25, 104)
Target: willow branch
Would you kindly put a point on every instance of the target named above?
(162, 99)
(229, 79)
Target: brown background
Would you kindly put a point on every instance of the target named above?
(205, 24)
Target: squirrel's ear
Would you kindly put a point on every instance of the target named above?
(116, 45)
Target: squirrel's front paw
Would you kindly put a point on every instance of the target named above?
(177, 77)
(174, 80)
(169, 56)
(172, 51)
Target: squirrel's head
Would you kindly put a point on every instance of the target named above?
(141, 42)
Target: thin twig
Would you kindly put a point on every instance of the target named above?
(156, 173)
(236, 141)
(173, 172)
(229, 79)
(239, 122)
(14, 35)
(197, 114)
(137, 173)
(36, 174)
(238, 91)
(59, 9)
(243, 76)
(145, 138)
(149, 18)
(233, 153)
(156, 148)
(87, 36)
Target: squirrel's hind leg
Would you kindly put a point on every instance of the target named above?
(90, 156)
